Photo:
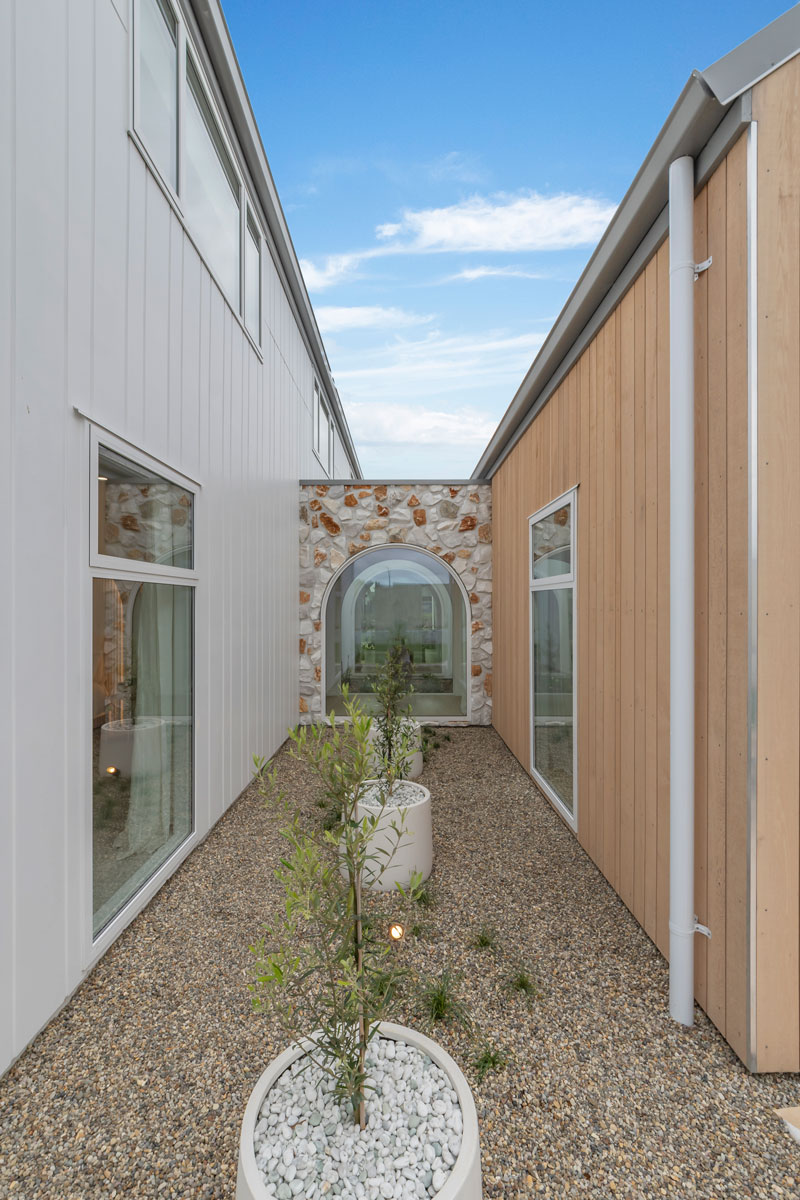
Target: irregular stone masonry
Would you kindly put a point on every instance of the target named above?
(340, 520)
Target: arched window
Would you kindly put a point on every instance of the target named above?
(398, 596)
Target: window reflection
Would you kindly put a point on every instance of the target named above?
(551, 544)
(142, 515)
(141, 734)
(157, 122)
(210, 190)
(553, 690)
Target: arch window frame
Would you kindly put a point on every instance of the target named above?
(399, 547)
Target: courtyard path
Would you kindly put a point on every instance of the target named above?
(138, 1086)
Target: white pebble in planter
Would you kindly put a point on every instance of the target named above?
(324, 1146)
(408, 809)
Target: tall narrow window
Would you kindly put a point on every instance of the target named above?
(316, 417)
(210, 189)
(325, 436)
(142, 677)
(157, 74)
(252, 279)
(323, 430)
(552, 579)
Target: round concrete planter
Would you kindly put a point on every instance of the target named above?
(414, 769)
(412, 851)
(122, 741)
(464, 1181)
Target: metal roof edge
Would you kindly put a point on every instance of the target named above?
(755, 58)
(219, 46)
(385, 481)
(694, 117)
(727, 132)
(698, 112)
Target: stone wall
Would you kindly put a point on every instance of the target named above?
(340, 520)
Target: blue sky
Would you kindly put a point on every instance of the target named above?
(446, 170)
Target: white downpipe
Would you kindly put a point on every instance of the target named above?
(682, 922)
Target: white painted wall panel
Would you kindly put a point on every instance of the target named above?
(7, 508)
(106, 304)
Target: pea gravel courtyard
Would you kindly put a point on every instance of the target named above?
(138, 1086)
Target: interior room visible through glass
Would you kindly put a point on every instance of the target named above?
(396, 596)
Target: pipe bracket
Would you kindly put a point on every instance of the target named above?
(703, 266)
(698, 928)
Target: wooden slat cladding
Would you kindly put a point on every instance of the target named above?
(776, 107)
(613, 409)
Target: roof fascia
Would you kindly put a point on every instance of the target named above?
(219, 47)
(727, 132)
(687, 130)
(755, 58)
(696, 126)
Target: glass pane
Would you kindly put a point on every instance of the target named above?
(552, 690)
(252, 284)
(317, 419)
(551, 544)
(397, 596)
(142, 717)
(158, 86)
(210, 191)
(324, 435)
(142, 516)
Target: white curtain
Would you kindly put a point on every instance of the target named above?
(160, 632)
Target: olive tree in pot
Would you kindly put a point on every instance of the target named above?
(336, 1108)
(402, 840)
(394, 732)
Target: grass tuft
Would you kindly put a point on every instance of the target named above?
(490, 1058)
(522, 981)
(440, 999)
(485, 938)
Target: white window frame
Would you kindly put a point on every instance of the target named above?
(136, 89)
(548, 584)
(322, 415)
(102, 566)
(250, 223)
(109, 564)
(187, 50)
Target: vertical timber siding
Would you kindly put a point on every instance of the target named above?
(606, 429)
(776, 108)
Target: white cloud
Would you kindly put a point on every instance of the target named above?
(337, 268)
(502, 223)
(377, 423)
(335, 319)
(471, 273)
(421, 368)
(463, 168)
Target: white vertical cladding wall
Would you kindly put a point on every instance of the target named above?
(105, 304)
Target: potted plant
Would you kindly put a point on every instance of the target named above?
(397, 736)
(337, 1108)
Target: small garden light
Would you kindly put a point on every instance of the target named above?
(396, 931)
(112, 770)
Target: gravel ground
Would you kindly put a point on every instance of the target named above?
(138, 1087)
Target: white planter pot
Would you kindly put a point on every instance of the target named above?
(412, 852)
(464, 1181)
(119, 740)
(415, 763)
